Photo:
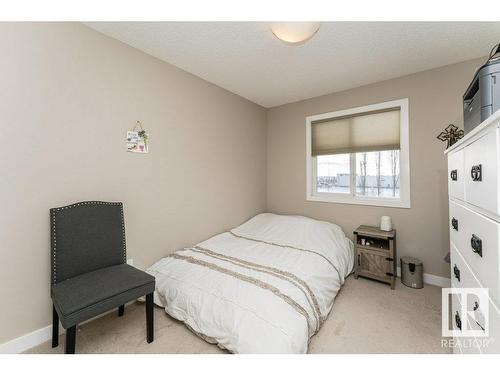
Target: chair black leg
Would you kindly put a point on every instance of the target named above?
(121, 310)
(149, 317)
(55, 328)
(70, 340)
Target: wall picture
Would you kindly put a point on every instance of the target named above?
(138, 140)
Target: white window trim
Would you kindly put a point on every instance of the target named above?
(404, 160)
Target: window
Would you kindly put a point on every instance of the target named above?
(360, 155)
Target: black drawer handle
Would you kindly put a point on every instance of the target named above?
(458, 321)
(454, 175)
(454, 224)
(475, 173)
(456, 271)
(359, 259)
(477, 245)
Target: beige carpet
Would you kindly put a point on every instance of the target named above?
(367, 317)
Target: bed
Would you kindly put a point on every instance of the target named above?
(266, 286)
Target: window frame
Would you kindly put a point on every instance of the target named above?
(403, 201)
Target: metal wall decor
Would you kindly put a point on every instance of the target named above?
(450, 134)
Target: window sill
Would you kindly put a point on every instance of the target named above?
(349, 199)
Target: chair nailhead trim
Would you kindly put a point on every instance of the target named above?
(123, 239)
(54, 238)
(54, 247)
(88, 202)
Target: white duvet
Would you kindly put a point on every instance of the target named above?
(263, 287)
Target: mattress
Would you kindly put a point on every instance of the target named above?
(266, 286)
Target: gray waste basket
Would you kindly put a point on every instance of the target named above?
(412, 272)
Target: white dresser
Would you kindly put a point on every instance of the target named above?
(474, 198)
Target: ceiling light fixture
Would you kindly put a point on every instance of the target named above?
(294, 32)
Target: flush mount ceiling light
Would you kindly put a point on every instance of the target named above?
(294, 32)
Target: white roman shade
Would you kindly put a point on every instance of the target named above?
(374, 131)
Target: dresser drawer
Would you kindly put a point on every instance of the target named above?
(456, 186)
(459, 322)
(475, 343)
(456, 223)
(478, 241)
(463, 277)
(478, 320)
(455, 313)
(458, 341)
(462, 345)
(492, 346)
(481, 172)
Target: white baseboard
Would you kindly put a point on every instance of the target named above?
(35, 338)
(442, 282)
(28, 341)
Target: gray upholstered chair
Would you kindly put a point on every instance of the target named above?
(89, 271)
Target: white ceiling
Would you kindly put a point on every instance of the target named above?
(246, 58)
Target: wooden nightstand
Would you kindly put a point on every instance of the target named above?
(376, 258)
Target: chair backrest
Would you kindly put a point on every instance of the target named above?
(86, 236)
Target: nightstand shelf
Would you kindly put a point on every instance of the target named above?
(376, 256)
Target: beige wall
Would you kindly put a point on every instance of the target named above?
(67, 97)
(434, 102)
(69, 94)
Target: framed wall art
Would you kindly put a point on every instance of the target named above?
(138, 139)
